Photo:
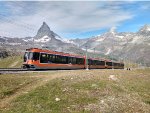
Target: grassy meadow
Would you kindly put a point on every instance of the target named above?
(76, 91)
(11, 62)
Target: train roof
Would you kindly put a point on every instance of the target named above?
(53, 52)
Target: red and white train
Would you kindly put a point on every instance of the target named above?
(35, 58)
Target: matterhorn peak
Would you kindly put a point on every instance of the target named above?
(45, 35)
(45, 25)
(44, 31)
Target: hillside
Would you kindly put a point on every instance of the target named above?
(77, 91)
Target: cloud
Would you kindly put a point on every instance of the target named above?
(63, 17)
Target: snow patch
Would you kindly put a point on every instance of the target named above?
(121, 37)
(90, 50)
(43, 39)
(148, 29)
(58, 38)
(14, 44)
(64, 40)
(135, 40)
(2, 38)
(108, 51)
(100, 39)
(27, 40)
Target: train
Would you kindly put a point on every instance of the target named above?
(38, 59)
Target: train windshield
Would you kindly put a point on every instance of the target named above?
(31, 56)
(26, 56)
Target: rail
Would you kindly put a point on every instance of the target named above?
(12, 69)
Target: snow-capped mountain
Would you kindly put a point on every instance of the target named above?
(133, 46)
(45, 35)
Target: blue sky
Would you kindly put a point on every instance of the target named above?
(72, 19)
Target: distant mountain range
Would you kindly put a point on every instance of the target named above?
(123, 46)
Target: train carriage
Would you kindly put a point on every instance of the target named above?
(45, 59)
(35, 58)
(96, 63)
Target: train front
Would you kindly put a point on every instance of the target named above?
(31, 59)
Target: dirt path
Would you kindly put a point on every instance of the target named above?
(40, 80)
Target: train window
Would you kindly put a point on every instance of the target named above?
(44, 58)
(64, 59)
(73, 60)
(90, 62)
(101, 63)
(69, 60)
(25, 56)
(30, 55)
(51, 58)
(95, 62)
(58, 59)
(109, 63)
(79, 60)
(82, 61)
(36, 56)
(115, 64)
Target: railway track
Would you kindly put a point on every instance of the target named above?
(20, 70)
(12, 70)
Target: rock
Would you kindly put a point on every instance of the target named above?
(113, 77)
(57, 99)
(71, 78)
